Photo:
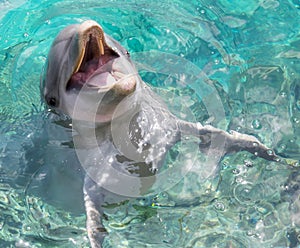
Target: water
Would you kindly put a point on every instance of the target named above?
(246, 51)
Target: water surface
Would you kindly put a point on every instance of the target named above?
(246, 51)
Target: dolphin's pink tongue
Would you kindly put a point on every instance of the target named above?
(79, 78)
(100, 79)
(91, 70)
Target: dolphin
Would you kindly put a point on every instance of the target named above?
(122, 129)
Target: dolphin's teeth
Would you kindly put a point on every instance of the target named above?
(118, 75)
(101, 46)
(80, 59)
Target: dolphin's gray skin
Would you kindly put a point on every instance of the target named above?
(89, 76)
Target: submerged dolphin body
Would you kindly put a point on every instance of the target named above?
(89, 76)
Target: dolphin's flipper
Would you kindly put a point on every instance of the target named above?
(95, 229)
(215, 139)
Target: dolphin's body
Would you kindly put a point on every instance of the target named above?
(123, 131)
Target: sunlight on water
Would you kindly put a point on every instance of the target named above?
(247, 51)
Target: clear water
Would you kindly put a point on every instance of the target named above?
(248, 51)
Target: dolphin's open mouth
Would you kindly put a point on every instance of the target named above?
(92, 66)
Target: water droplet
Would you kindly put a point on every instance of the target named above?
(153, 170)
(168, 134)
(270, 152)
(225, 165)
(207, 191)
(235, 171)
(25, 35)
(283, 94)
(296, 120)
(238, 128)
(242, 193)
(248, 163)
(281, 148)
(277, 159)
(164, 195)
(22, 243)
(256, 153)
(256, 124)
(162, 150)
(250, 233)
(219, 206)
(255, 144)
(243, 79)
(239, 180)
(144, 202)
(262, 210)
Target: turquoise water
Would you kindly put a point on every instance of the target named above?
(247, 51)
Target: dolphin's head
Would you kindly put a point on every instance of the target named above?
(86, 68)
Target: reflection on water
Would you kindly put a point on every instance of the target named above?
(247, 50)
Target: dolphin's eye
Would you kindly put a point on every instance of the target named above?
(127, 53)
(52, 102)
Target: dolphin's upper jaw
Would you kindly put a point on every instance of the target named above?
(93, 55)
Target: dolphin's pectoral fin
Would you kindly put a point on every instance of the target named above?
(95, 229)
(216, 139)
(243, 142)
